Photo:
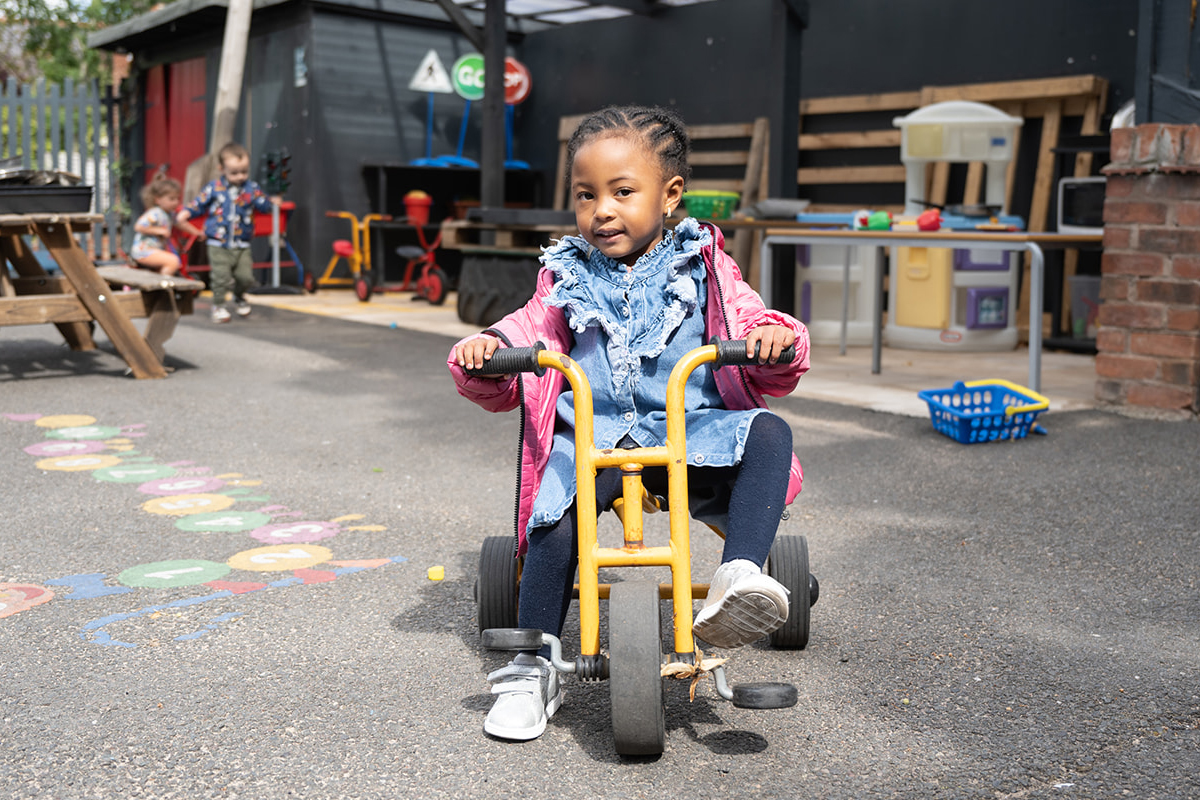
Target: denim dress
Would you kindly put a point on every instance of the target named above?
(631, 326)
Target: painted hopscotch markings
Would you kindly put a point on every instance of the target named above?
(195, 500)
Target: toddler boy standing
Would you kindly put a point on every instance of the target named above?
(229, 203)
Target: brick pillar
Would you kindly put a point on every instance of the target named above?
(1148, 344)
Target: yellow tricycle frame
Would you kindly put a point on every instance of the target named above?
(633, 552)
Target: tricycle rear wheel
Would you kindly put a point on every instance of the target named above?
(498, 584)
(635, 669)
(788, 564)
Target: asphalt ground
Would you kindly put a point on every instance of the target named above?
(1006, 620)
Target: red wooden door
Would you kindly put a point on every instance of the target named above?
(186, 115)
(157, 148)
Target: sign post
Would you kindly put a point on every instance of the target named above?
(517, 83)
(431, 78)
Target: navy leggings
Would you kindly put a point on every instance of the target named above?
(759, 490)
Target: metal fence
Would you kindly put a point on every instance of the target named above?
(74, 128)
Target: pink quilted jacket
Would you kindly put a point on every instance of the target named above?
(733, 309)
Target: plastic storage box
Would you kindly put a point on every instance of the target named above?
(24, 199)
(985, 411)
(710, 203)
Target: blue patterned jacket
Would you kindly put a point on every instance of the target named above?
(229, 211)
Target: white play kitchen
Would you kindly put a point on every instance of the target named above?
(963, 298)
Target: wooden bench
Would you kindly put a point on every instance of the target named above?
(81, 297)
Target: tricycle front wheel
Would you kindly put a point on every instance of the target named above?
(635, 669)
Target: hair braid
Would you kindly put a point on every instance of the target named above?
(660, 129)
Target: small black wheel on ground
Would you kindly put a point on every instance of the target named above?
(764, 695)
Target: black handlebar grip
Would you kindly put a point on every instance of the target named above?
(731, 352)
(507, 360)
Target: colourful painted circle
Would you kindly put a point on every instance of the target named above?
(216, 521)
(180, 485)
(65, 448)
(78, 463)
(134, 473)
(17, 597)
(178, 505)
(65, 421)
(280, 557)
(84, 432)
(169, 574)
(308, 531)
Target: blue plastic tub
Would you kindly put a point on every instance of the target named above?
(985, 411)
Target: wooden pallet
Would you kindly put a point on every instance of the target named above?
(516, 240)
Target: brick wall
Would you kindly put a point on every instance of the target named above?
(1148, 344)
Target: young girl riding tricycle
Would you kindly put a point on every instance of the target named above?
(627, 300)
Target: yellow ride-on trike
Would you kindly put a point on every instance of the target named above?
(356, 251)
(634, 662)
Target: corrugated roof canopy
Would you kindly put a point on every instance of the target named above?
(564, 12)
(523, 15)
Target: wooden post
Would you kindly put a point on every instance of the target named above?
(229, 93)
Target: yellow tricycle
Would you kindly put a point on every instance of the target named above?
(634, 663)
(356, 251)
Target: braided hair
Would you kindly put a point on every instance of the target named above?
(660, 129)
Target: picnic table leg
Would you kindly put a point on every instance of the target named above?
(160, 326)
(78, 335)
(94, 293)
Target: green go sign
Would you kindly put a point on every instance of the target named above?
(467, 75)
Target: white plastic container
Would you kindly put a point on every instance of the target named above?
(820, 270)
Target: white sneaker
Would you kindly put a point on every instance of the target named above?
(243, 308)
(220, 314)
(529, 694)
(743, 605)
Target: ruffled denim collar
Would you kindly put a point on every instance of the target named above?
(577, 266)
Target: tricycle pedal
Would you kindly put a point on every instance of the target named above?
(511, 639)
(764, 695)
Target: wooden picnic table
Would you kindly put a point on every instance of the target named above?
(85, 295)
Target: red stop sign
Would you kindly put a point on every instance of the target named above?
(517, 81)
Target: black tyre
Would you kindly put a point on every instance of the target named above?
(362, 288)
(432, 286)
(497, 585)
(764, 695)
(635, 669)
(491, 286)
(788, 564)
(311, 283)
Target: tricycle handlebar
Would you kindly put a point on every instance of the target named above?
(507, 360)
(732, 352)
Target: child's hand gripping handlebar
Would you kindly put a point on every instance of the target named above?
(507, 360)
(732, 352)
